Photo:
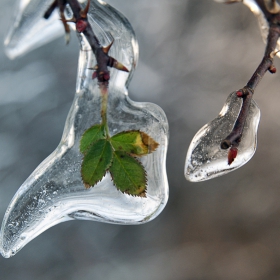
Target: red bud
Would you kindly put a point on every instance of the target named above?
(106, 76)
(232, 155)
(81, 25)
(272, 69)
(239, 93)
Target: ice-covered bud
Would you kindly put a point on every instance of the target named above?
(81, 25)
(207, 158)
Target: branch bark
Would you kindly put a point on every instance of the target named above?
(83, 26)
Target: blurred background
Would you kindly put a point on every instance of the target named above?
(192, 55)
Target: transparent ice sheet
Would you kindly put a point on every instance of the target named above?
(54, 192)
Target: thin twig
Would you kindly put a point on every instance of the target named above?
(82, 26)
(233, 139)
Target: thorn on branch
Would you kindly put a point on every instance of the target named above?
(82, 26)
(272, 6)
(273, 54)
(83, 13)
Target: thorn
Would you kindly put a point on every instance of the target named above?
(274, 53)
(119, 66)
(272, 69)
(83, 13)
(64, 20)
(232, 155)
(66, 28)
(106, 49)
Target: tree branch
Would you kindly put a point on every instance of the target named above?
(233, 139)
(82, 26)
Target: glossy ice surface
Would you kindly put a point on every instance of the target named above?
(54, 192)
(30, 29)
(205, 159)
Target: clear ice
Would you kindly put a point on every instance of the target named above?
(54, 192)
(205, 159)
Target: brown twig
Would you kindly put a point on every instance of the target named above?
(233, 139)
(82, 26)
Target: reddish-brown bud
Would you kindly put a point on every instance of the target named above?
(101, 76)
(239, 93)
(81, 25)
(272, 69)
(232, 155)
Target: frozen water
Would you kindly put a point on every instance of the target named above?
(205, 159)
(54, 192)
(30, 29)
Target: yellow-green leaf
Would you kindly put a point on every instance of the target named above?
(128, 174)
(134, 142)
(96, 162)
(90, 136)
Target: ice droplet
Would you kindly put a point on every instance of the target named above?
(205, 159)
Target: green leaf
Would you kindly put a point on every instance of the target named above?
(90, 136)
(134, 142)
(96, 162)
(128, 174)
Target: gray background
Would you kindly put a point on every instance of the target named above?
(192, 55)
